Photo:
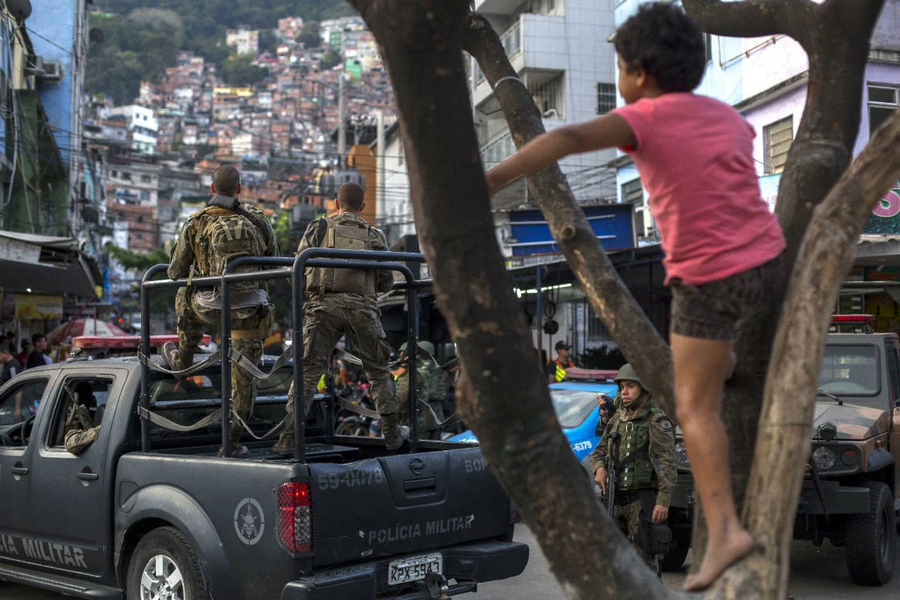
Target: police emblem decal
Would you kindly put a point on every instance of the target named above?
(417, 466)
(249, 521)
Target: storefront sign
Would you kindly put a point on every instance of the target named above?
(883, 274)
(33, 306)
(885, 218)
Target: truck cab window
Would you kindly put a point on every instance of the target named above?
(18, 407)
(92, 393)
(893, 372)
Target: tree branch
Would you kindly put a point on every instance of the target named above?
(618, 310)
(827, 252)
(752, 18)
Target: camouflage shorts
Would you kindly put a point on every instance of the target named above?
(713, 311)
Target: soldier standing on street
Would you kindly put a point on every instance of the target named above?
(345, 302)
(640, 439)
(433, 387)
(224, 230)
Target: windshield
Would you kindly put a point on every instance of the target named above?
(850, 370)
(573, 406)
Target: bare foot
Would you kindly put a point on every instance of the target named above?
(718, 558)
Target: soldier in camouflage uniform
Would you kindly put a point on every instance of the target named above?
(80, 429)
(433, 386)
(345, 302)
(209, 239)
(644, 431)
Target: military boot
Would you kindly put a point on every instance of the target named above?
(237, 451)
(285, 444)
(394, 433)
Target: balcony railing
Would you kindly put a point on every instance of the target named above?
(512, 40)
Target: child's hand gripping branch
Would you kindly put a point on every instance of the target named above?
(723, 246)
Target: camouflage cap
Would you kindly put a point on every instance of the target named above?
(627, 373)
(427, 347)
(403, 346)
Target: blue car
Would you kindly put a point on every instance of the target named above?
(575, 403)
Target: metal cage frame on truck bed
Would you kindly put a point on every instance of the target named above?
(285, 268)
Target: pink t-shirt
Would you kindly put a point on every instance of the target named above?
(695, 157)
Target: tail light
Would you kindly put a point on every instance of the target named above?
(295, 517)
(513, 514)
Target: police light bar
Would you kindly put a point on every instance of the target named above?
(124, 342)
(575, 374)
(865, 319)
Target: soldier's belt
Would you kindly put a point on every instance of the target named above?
(629, 497)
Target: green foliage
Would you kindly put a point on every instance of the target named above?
(282, 226)
(143, 37)
(240, 71)
(330, 59)
(133, 49)
(268, 42)
(160, 301)
(131, 260)
(309, 37)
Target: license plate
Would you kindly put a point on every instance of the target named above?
(414, 568)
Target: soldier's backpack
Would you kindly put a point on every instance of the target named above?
(347, 236)
(228, 235)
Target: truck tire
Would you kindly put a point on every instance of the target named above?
(871, 538)
(163, 563)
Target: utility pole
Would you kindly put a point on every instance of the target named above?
(380, 201)
(342, 136)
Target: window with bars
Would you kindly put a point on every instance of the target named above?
(883, 101)
(606, 97)
(777, 138)
(708, 42)
(596, 330)
(633, 193)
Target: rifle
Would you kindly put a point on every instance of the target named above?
(613, 472)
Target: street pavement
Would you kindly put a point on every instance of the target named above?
(816, 573)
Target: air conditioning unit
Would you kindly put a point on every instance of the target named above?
(53, 71)
(36, 65)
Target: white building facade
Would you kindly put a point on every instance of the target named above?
(142, 124)
(560, 51)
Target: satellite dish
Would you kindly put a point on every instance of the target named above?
(96, 35)
(20, 9)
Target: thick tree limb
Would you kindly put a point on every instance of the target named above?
(752, 18)
(825, 257)
(613, 302)
(837, 42)
(508, 405)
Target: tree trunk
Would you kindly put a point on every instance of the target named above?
(509, 407)
(825, 257)
(836, 38)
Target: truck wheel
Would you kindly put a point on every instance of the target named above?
(675, 557)
(164, 567)
(871, 538)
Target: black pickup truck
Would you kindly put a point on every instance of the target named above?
(148, 512)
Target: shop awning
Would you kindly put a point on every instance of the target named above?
(878, 249)
(46, 264)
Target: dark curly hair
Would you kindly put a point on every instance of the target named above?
(666, 44)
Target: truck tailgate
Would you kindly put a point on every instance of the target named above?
(402, 504)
